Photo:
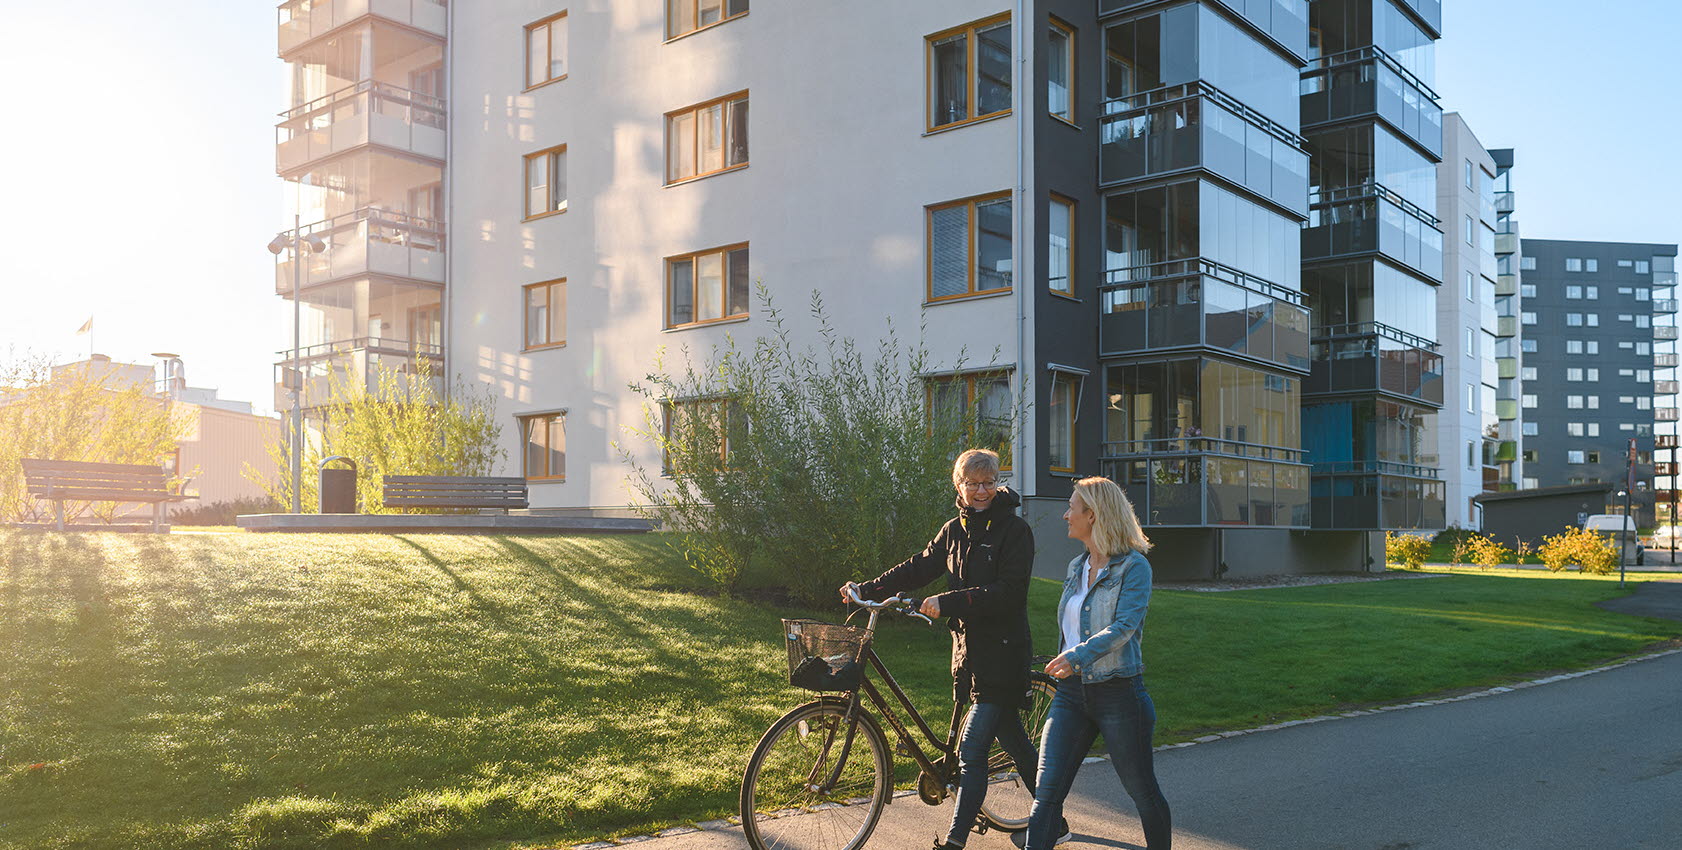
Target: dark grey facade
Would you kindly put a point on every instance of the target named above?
(1587, 313)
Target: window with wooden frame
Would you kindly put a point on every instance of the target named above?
(969, 72)
(1060, 71)
(699, 433)
(707, 138)
(545, 437)
(1060, 246)
(983, 402)
(969, 247)
(687, 16)
(546, 314)
(707, 286)
(546, 51)
(1064, 411)
(546, 182)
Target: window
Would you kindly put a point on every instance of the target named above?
(1593, 319)
(1530, 429)
(969, 72)
(1471, 455)
(1592, 293)
(1527, 373)
(1573, 264)
(1529, 484)
(1527, 318)
(969, 247)
(546, 51)
(1060, 248)
(1471, 231)
(1471, 342)
(699, 432)
(1527, 290)
(546, 314)
(707, 138)
(982, 401)
(1471, 287)
(1574, 456)
(1471, 399)
(1624, 264)
(1594, 429)
(1641, 348)
(1573, 292)
(1592, 375)
(1626, 399)
(1527, 264)
(1626, 426)
(1626, 317)
(1644, 375)
(1573, 346)
(1626, 373)
(1643, 267)
(1627, 345)
(1573, 429)
(1593, 457)
(1594, 402)
(1060, 71)
(1591, 346)
(1573, 320)
(1643, 321)
(1573, 374)
(1643, 294)
(1643, 403)
(1591, 265)
(1528, 346)
(546, 182)
(546, 446)
(1469, 180)
(1065, 409)
(1531, 455)
(707, 286)
(1574, 402)
(1529, 401)
(687, 16)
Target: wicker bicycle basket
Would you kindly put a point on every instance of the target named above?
(825, 656)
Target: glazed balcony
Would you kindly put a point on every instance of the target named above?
(1202, 482)
(302, 21)
(365, 113)
(1665, 387)
(1374, 357)
(1377, 495)
(1664, 360)
(369, 242)
(357, 365)
(1664, 305)
(1201, 303)
(1368, 82)
(1371, 218)
(1664, 332)
(1285, 21)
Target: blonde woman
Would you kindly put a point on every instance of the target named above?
(1101, 688)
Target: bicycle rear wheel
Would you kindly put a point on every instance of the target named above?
(784, 803)
(1008, 800)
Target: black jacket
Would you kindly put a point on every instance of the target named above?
(987, 557)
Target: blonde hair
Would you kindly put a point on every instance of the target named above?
(1115, 527)
(974, 460)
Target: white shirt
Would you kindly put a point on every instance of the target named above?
(1071, 611)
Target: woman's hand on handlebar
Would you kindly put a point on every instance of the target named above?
(930, 608)
(849, 591)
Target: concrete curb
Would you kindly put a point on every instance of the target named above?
(732, 821)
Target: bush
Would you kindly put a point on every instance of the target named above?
(1489, 553)
(1409, 550)
(224, 512)
(829, 464)
(1591, 552)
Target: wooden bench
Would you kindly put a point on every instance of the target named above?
(454, 491)
(60, 481)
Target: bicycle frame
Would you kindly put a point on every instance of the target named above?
(916, 751)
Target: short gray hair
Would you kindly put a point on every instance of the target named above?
(974, 460)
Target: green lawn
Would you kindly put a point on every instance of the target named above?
(243, 690)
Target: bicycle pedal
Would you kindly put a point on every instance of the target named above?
(980, 827)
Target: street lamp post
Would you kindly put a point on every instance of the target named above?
(295, 375)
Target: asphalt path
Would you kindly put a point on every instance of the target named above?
(1590, 761)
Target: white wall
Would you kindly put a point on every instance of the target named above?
(833, 198)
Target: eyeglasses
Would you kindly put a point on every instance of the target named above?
(973, 486)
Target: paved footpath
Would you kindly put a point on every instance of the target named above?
(1582, 761)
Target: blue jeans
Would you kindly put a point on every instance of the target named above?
(985, 722)
(1121, 710)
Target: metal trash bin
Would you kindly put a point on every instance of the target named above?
(338, 487)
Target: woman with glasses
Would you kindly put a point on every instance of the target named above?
(986, 553)
(1101, 687)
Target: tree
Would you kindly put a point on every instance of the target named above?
(399, 423)
(826, 464)
(84, 412)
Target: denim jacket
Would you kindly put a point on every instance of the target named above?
(1113, 618)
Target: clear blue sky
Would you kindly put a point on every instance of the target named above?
(140, 183)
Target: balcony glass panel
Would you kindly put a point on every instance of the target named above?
(1365, 291)
(1373, 361)
(1362, 500)
(365, 242)
(1506, 284)
(1664, 332)
(1201, 405)
(367, 113)
(1664, 305)
(1219, 310)
(1196, 220)
(1211, 490)
(302, 20)
(1341, 223)
(1364, 82)
(357, 364)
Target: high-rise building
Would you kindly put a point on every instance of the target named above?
(1372, 261)
(1509, 339)
(1589, 313)
(1099, 207)
(1466, 432)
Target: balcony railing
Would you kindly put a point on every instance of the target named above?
(1379, 467)
(1213, 490)
(1664, 305)
(1191, 303)
(369, 241)
(1506, 243)
(1664, 359)
(1504, 203)
(1120, 449)
(1664, 332)
(1369, 217)
(303, 20)
(1506, 367)
(365, 113)
(358, 364)
(1506, 284)
(1506, 408)
(1666, 387)
(1374, 357)
(1665, 414)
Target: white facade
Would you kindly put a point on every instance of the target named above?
(839, 171)
(1466, 429)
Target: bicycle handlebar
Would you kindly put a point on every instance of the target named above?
(901, 603)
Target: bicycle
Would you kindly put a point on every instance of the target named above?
(822, 774)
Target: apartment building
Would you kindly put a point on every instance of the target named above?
(1593, 313)
(1466, 433)
(1097, 206)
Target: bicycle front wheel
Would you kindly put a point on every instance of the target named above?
(794, 797)
(1009, 801)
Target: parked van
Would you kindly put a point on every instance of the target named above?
(1609, 525)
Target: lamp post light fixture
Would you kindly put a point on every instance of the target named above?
(300, 244)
